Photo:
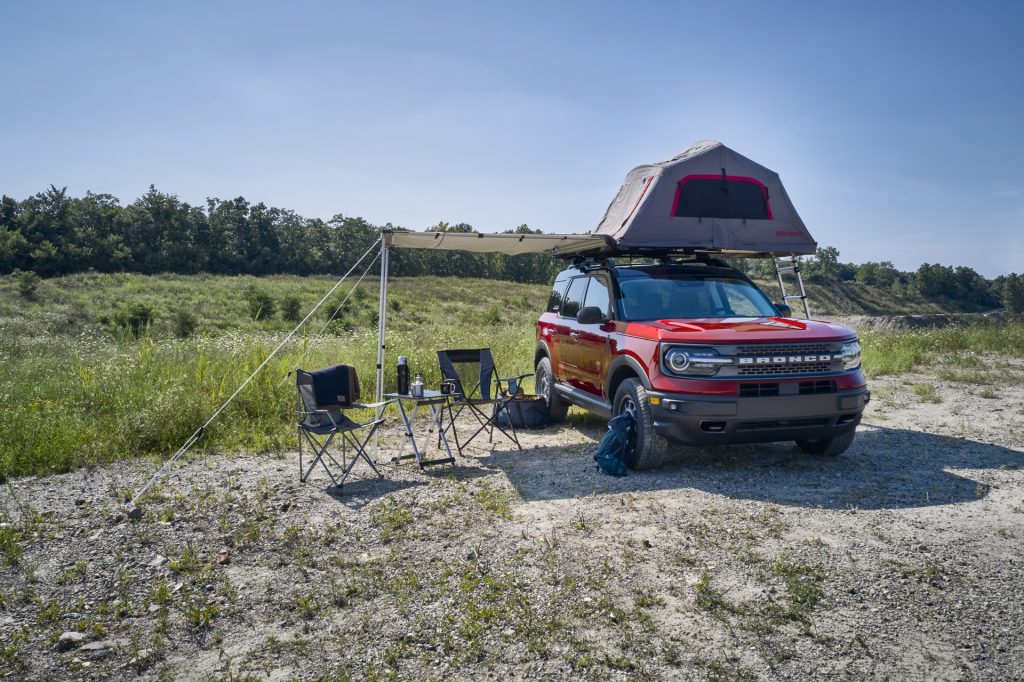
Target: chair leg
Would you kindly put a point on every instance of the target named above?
(320, 449)
(452, 417)
(511, 424)
(360, 453)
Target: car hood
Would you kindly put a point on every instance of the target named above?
(737, 330)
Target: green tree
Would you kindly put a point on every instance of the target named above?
(291, 308)
(1013, 293)
(261, 304)
(27, 281)
(824, 265)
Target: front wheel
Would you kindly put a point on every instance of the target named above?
(650, 448)
(828, 447)
(545, 378)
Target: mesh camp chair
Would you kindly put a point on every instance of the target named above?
(477, 384)
(323, 396)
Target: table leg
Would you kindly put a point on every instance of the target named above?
(438, 415)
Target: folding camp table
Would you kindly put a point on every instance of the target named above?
(437, 402)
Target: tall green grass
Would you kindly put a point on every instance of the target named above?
(74, 392)
(899, 352)
(75, 399)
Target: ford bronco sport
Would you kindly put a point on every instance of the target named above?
(699, 355)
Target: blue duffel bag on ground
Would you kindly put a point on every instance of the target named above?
(611, 453)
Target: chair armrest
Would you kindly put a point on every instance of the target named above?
(521, 376)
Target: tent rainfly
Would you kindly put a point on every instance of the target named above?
(707, 198)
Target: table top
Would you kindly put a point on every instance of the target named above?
(427, 395)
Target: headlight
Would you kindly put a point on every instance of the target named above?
(701, 362)
(849, 354)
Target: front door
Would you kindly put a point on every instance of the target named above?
(592, 339)
(567, 334)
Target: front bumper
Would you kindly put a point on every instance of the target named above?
(719, 420)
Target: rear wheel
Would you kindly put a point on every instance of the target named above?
(650, 449)
(545, 378)
(828, 447)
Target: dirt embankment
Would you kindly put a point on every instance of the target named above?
(900, 559)
(897, 323)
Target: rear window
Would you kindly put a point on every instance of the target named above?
(555, 300)
(717, 196)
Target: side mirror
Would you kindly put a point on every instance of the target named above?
(590, 315)
(784, 310)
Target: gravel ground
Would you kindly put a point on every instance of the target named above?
(900, 559)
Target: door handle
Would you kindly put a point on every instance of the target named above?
(574, 335)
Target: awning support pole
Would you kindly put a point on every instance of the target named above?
(382, 320)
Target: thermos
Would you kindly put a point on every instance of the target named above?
(403, 375)
(417, 386)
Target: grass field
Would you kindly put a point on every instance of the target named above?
(75, 389)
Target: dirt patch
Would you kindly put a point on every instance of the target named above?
(900, 559)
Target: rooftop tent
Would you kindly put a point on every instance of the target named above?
(707, 198)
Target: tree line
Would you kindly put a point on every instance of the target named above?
(54, 234)
(51, 234)
(930, 281)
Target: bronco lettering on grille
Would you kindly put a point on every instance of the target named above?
(780, 360)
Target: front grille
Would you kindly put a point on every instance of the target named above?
(817, 387)
(758, 390)
(784, 368)
(788, 349)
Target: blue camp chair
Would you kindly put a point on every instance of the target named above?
(477, 384)
(324, 394)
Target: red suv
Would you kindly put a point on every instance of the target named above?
(699, 355)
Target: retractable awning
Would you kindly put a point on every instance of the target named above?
(508, 244)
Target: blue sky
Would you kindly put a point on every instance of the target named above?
(898, 130)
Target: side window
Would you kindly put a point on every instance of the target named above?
(597, 295)
(555, 300)
(574, 297)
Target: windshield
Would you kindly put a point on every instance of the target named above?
(667, 298)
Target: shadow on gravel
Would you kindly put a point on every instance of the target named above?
(884, 469)
(357, 493)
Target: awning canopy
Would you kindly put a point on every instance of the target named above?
(508, 244)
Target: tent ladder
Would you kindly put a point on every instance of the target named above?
(790, 265)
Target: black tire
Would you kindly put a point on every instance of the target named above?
(545, 380)
(650, 449)
(828, 447)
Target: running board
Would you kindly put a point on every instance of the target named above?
(584, 400)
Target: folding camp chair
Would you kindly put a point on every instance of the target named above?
(475, 376)
(323, 395)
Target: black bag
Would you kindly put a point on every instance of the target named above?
(527, 411)
(620, 440)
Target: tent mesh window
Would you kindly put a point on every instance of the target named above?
(713, 196)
